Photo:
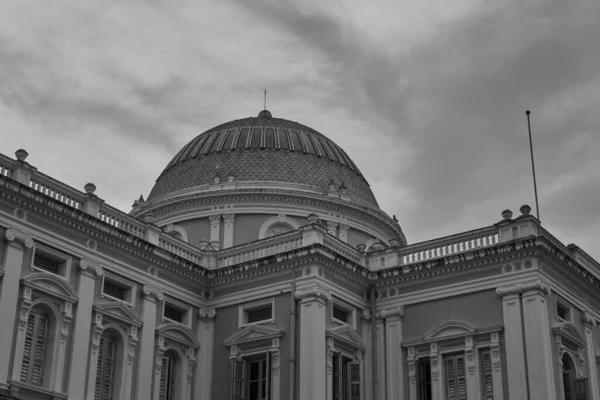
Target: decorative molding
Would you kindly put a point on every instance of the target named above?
(348, 335)
(389, 313)
(19, 238)
(215, 219)
(207, 313)
(152, 293)
(314, 293)
(118, 311)
(177, 333)
(449, 328)
(228, 218)
(587, 319)
(52, 285)
(519, 288)
(470, 355)
(495, 349)
(435, 364)
(90, 269)
(279, 219)
(569, 335)
(253, 333)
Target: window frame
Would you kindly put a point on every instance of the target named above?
(46, 349)
(244, 308)
(455, 357)
(566, 307)
(130, 291)
(185, 308)
(65, 260)
(423, 380)
(342, 305)
(245, 380)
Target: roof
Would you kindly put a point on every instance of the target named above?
(263, 149)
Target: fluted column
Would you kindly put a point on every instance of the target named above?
(88, 273)
(18, 243)
(588, 332)
(203, 380)
(538, 343)
(147, 342)
(393, 351)
(228, 230)
(368, 364)
(313, 355)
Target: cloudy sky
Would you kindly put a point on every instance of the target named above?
(427, 97)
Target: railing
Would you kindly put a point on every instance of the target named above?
(180, 248)
(120, 220)
(255, 250)
(342, 248)
(449, 245)
(50, 189)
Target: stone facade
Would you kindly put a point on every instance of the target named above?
(275, 295)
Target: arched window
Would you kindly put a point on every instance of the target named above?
(278, 229)
(37, 349)
(569, 374)
(276, 226)
(105, 368)
(166, 390)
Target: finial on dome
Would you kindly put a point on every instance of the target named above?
(265, 114)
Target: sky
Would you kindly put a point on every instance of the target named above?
(427, 97)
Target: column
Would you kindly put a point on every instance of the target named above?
(537, 343)
(513, 342)
(437, 383)
(88, 272)
(17, 244)
(472, 363)
(202, 384)
(588, 332)
(332, 228)
(312, 352)
(228, 230)
(344, 232)
(381, 360)
(368, 367)
(394, 365)
(412, 374)
(496, 367)
(215, 225)
(147, 342)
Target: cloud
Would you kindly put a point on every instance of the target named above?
(428, 98)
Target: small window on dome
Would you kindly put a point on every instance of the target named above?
(197, 147)
(270, 138)
(307, 143)
(319, 147)
(241, 143)
(207, 143)
(217, 141)
(229, 140)
(296, 141)
(283, 139)
(278, 229)
(256, 138)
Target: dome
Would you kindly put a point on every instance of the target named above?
(264, 149)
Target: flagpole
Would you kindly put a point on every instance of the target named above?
(537, 206)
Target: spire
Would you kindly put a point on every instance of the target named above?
(265, 99)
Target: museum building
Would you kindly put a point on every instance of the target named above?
(260, 267)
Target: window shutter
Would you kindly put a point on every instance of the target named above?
(105, 369)
(34, 348)
(450, 379)
(354, 374)
(461, 378)
(337, 381)
(46, 263)
(239, 376)
(27, 348)
(581, 389)
(488, 387)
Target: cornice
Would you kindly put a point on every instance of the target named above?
(537, 286)
(19, 238)
(316, 293)
(371, 217)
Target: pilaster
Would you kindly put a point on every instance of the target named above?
(538, 344)
(368, 364)
(332, 228)
(588, 332)
(496, 367)
(147, 342)
(215, 226)
(17, 244)
(472, 364)
(437, 383)
(381, 360)
(312, 351)
(513, 341)
(96, 332)
(203, 380)
(394, 366)
(412, 373)
(88, 273)
(228, 230)
(344, 233)
(160, 351)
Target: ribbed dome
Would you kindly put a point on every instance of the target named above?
(263, 149)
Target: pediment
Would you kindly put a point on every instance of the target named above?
(449, 329)
(569, 332)
(253, 333)
(348, 335)
(52, 285)
(178, 333)
(119, 311)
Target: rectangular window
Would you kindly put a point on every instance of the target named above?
(486, 375)
(258, 314)
(456, 381)
(173, 313)
(346, 379)
(340, 314)
(114, 289)
(262, 311)
(563, 311)
(47, 263)
(424, 379)
(105, 369)
(252, 378)
(32, 367)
